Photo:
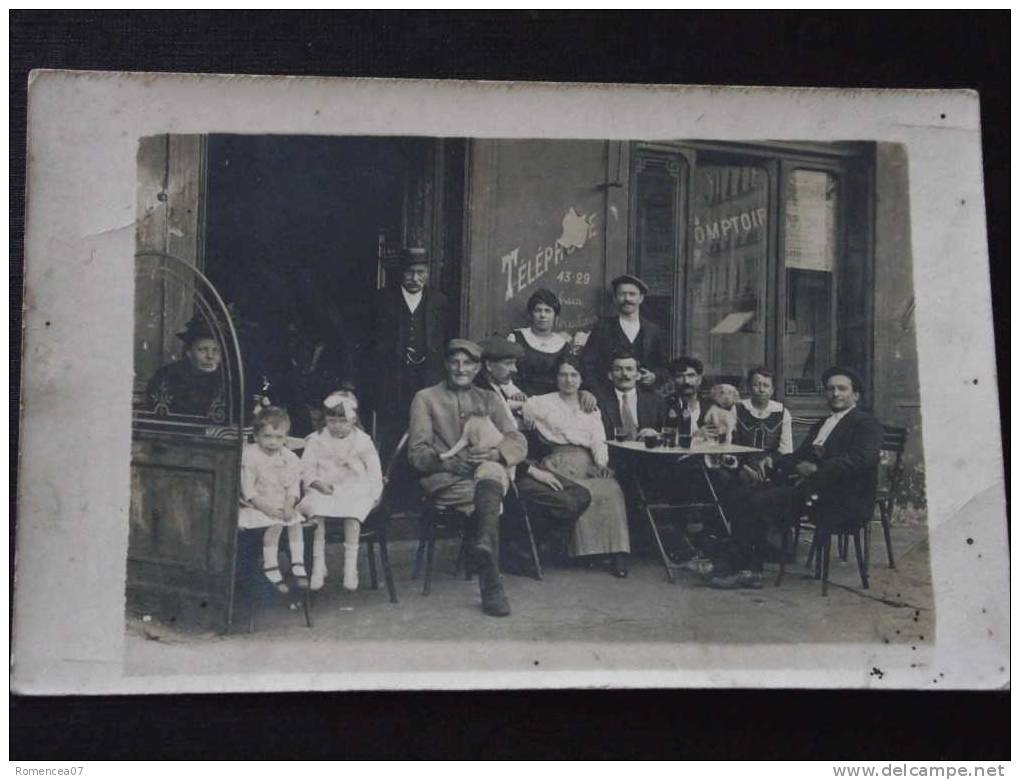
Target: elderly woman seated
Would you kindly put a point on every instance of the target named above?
(192, 386)
(577, 447)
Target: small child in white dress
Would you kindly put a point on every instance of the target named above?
(342, 478)
(270, 488)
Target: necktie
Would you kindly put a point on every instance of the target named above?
(627, 417)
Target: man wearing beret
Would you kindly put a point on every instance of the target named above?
(627, 331)
(551, 501)
(405, 349)
(475, 480)
(835, 466)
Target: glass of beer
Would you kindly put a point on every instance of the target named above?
(620, 433)
(651, 441)
(669, 437)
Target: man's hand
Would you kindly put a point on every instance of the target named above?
(322, 487)
(461, 467)
(518, 396)
(646, 377)
(587, 402)
(807, 469)
(547, 478)
(478, 456)
(602, 472)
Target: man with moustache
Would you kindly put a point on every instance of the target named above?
(552, 501)
(405, 349)
(837, 462)
(627, 331)
(473, 481)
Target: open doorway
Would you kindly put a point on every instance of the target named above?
(297, 228)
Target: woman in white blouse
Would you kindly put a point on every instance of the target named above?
(578, 451)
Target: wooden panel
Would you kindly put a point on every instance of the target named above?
(170, 219)
(183, 520)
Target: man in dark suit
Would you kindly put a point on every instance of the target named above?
(405, 353)
(628, 406)
(837, 462)
(626, 331)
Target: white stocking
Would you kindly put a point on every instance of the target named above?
(352, 532)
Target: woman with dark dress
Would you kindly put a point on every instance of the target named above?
(543, 346)
(192, 386)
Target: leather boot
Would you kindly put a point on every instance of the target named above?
(488, 497)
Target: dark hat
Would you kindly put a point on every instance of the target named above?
(464, 345)
(628, 279)
(413, 255)
(196, 329)
(498, 348)
(851, 374)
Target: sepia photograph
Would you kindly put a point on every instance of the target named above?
(399, 408)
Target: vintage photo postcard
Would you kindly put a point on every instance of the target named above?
(367, 384)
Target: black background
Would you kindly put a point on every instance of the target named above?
(958, 50)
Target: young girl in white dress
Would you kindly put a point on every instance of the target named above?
(342, 479)
(270, 487)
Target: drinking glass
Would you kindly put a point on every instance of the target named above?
(669, 436)
(620, 433)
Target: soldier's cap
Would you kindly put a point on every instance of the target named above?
(498, 348)
(629, 279)
(466, 346)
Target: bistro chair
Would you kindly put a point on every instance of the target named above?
(894, 442)
(438, 522)
(821, 546)
(253, 589)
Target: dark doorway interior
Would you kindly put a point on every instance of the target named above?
(292, 236)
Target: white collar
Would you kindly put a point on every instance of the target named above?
(551, 345)
(412, 299)
(837, 416)
(771, 407)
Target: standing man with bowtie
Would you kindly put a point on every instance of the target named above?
(410, 328)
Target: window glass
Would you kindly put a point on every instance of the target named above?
(727, 278)
(811, 240)
(657, 189)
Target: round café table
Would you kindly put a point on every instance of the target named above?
(679, 455)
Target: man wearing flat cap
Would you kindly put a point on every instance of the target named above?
(405, 349)
(476, 479)
(551, 501)
(836, 467)
(627, 331)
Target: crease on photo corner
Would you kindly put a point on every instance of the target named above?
(971, 540)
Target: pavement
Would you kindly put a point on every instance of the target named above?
(570, 605)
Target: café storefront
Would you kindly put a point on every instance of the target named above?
(795, 256)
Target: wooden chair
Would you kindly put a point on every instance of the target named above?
(894, 442)
(252, 587)
(374, 529)
(439, 522)
(821, 547)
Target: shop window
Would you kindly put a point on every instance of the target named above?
(811, 247)
(726, 285)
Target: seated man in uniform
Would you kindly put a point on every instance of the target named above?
(475, 480)
(835, 466)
